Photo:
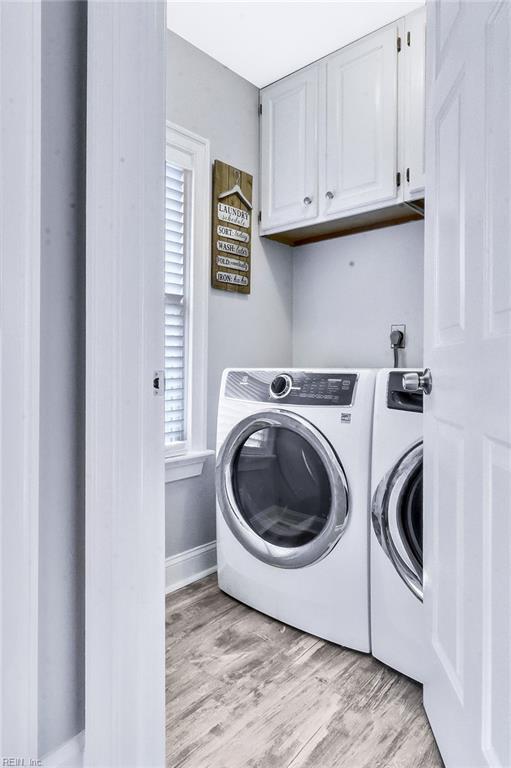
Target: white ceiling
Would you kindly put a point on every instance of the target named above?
(263, 41)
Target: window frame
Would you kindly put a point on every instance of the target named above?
(192, 153)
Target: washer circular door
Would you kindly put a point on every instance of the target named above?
(397, 517)
(281, 489)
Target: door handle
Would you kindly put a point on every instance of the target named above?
(418, 382)
(307, 200)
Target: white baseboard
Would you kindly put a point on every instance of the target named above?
(68, 755)
(189, 566)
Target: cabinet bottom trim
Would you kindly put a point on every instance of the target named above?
(350, 225)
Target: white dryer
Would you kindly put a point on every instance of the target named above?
(397, 616)
(293, 473)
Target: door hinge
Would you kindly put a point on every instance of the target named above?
(159, 382)
(408, 175)
(260, 109)
(398, 44)
(259, 217)
(408, 38)
(398, 179)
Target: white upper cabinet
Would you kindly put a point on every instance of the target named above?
(414, 49)
(289, 149)
(361, 124)
(342, 141)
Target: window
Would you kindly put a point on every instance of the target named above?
(187, 217)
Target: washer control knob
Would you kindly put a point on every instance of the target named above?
(281, 385)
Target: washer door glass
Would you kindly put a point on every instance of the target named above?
(281, 489)
(410, 518)
(397, 517)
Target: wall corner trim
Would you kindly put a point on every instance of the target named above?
(189, 566)
(68, 755)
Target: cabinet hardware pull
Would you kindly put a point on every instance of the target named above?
(408, 175)
(329, 195)
(307, 200)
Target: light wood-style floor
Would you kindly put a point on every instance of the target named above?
(244, 691)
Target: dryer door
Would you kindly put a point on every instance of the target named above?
(397, 517)
(281, 489)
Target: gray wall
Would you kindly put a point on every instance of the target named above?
(348, 291)
(207, 98)
(62, 435)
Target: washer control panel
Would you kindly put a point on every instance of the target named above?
(293, 388)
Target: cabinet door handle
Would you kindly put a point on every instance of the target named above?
(329, 195)
(307, 200)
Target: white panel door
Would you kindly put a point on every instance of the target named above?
(361, 124)
(414, 93)
(125, 512)
(467, 420)
(289, 150)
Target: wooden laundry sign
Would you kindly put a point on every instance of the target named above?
(232, 228)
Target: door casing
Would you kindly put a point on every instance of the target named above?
(20, 252)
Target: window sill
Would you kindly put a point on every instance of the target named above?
(186, 465)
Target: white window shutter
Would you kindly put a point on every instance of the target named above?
(175, 309)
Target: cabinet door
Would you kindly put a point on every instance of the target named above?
(361, 124)
(289, 150)
(414, 51)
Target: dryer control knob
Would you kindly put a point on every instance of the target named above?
(281, 385)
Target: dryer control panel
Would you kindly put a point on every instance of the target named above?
(293, 387)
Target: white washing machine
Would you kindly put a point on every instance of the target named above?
(293, 473)
(397, 616)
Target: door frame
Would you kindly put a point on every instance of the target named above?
(20, 206)
(125, 525)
